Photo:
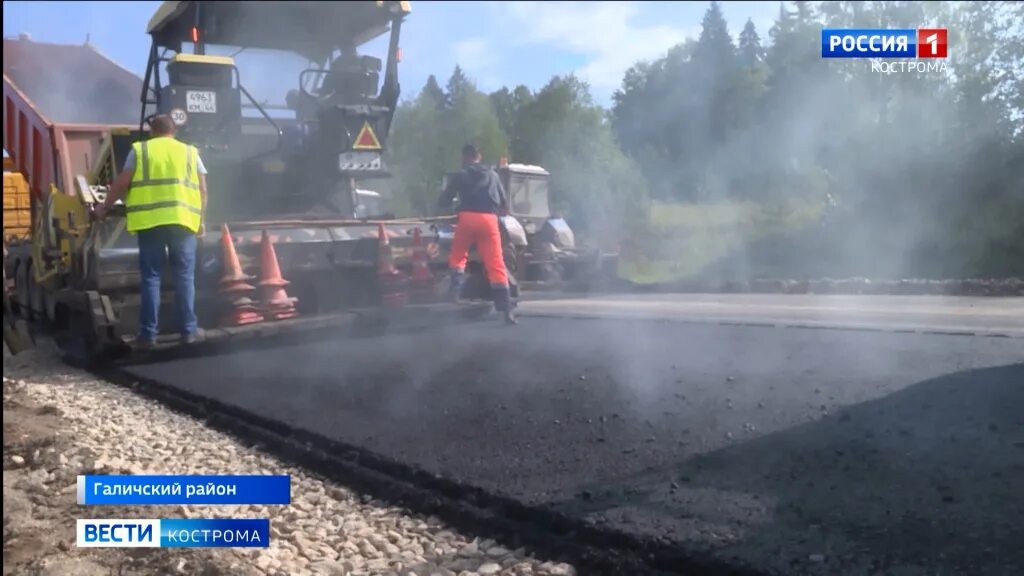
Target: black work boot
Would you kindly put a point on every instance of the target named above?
(510, 318)
(503, 303)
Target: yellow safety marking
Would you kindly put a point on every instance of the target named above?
(366, 140)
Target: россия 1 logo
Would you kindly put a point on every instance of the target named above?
(883, 43)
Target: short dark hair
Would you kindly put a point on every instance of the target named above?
(469, 151)
(162, 125)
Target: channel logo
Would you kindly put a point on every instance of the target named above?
(884, 43)
(174, 533)
(119, 533)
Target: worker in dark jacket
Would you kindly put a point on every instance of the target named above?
(481, 199)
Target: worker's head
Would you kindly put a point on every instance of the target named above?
(470, 155)
(162, 125)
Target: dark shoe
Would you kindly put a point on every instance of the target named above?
(510, 318)
(194, 338)
(144, 344)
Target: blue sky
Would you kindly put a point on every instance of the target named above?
(497, 43)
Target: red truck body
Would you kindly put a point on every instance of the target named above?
(59, 101)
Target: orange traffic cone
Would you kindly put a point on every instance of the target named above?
(234, 286)
(421, 281)
(276, 303)
(390, 281)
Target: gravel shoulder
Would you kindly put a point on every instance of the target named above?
(60, 422)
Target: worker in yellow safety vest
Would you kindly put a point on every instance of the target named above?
(163, 184)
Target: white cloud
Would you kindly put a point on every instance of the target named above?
(473, 54)
(601, 32)
(477, 58)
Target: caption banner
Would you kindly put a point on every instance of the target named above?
(129, 490)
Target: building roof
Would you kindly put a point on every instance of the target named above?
(73, 84)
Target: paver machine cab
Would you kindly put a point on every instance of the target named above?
(267, 160)
(540, 248)
(285, 173)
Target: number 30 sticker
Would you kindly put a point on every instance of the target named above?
(179, 117)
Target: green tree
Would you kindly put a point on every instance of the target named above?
(427, 139)
(715, 69)
(472, 120)
(507, 105)
(927, 167)
(675, 115)
(416, 154)
(751, 52)
(750, 86)
(432, 92)
(458, 86)
(982, 203)
(592, 182)
(504, 108)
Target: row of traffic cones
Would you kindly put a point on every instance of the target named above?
(396, 289)
(274, 302)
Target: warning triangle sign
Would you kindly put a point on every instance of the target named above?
(366, 140)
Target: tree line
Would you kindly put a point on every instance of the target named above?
(558, 127)
(910, 173)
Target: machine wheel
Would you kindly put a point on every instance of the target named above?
(513, 264)
(551, 273)
(79, 342)
(512, 257)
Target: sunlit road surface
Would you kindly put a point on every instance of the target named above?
(936, 314)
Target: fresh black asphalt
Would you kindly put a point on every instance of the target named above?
(789, 450)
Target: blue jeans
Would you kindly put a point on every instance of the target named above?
(155, 244)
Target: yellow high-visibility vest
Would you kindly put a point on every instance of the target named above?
(165, 186)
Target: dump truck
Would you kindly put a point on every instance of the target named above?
(54, 128)
(284, 174)
(540, 248)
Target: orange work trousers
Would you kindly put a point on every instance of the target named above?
(480, 229)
